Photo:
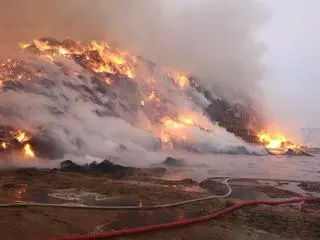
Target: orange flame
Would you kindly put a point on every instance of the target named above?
(4, 145)
(180, 79)
(21, 136)
(165, 138)
(168, 122)
(24, 45)
(108, 61)
(186, 120)
(277, 142)
(174, 129)
(42, 45)
(28, 152)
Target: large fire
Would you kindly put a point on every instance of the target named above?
(96, 55)
(17, 140)
(180, 79)
(278, 141)
(105, 62)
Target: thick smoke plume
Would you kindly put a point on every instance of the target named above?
(213, 39)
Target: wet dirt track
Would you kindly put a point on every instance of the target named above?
(260, 222)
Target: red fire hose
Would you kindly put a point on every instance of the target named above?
(186, 222)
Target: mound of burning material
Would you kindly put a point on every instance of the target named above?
(93, 99)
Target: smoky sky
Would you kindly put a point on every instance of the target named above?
(292, 80)
(215, 40)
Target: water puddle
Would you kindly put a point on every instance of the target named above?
(87, 198)
(22, 193)
(76, 195)
(294, 187)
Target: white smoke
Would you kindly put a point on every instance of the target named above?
(215, 40)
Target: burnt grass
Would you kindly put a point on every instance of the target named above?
(258, 222)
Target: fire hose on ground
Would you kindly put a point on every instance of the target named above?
(186, 222)
(175, 224)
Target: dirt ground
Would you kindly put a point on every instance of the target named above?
(53, 186)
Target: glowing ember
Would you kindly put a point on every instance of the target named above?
(108, 81)
(28, 152)
(129, 73)
(180, 79)
(277, 142)
(168, 122)
(175, 129)
(152, 95)
(115, 59)
(21, 144)
(186, 120)
(21, 136)
(63, 51)
(24, 45)
(164, 137)
(42, 45)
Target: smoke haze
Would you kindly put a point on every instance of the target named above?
(213, 39)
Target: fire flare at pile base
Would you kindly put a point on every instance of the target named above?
(278, 142)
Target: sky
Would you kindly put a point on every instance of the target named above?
(292, 80)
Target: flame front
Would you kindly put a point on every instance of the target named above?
(277, 141)
(97, 55)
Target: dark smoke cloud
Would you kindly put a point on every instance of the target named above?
(214, 39)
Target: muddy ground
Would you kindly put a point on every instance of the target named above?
(149, 187)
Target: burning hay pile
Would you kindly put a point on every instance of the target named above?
(92, 99)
